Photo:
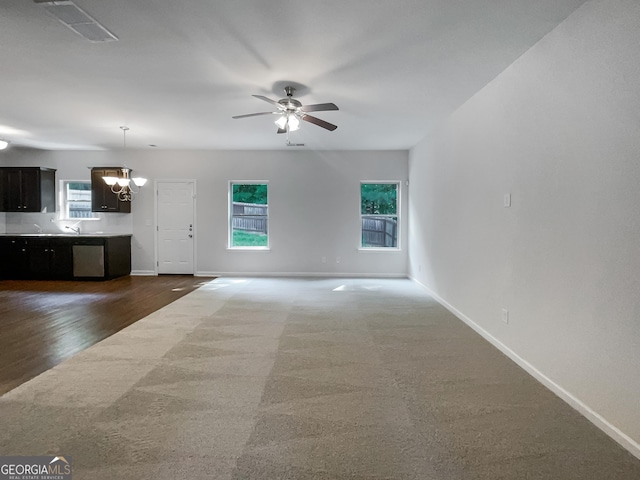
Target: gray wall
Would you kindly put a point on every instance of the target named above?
(560, 131)
(313, 206)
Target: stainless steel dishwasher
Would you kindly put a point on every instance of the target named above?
(88, 260)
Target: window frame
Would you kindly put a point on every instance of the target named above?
(398, 184)
(230, 246)
(64, 201)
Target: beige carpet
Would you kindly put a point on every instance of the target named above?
(302, 379)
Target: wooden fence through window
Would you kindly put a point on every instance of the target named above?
(250, 217)
(379, 231)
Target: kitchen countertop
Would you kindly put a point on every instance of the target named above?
(66, 235)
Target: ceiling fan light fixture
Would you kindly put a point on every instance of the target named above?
(294, 123)
(281, 122)
(288, 121)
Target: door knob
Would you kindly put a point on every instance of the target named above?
(190, 236)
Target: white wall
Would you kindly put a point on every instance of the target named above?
(313, 206)
(560, 131)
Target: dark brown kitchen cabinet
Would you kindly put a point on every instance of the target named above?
(13, 257)
(49, 258)
(28, 189)
(35, 258)
(64, 257)
(102, 198)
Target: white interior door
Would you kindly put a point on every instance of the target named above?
(175, 227)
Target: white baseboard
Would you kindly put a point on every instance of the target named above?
(301, 274)
(594, 417)
(143, 273)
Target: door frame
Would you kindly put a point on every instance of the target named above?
(155, 210)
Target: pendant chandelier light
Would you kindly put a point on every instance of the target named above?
(125, 186)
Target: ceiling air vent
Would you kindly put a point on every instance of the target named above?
(77, 20)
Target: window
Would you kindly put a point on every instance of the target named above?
(379, 214)
(76, 199)
(249, 215)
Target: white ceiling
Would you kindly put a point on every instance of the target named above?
(182, 69)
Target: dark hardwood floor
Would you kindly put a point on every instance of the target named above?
(43, 323)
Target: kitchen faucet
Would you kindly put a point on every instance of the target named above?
(38, 227)
(75, 229)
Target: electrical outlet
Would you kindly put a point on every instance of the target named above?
(507, 200)
(505, 316)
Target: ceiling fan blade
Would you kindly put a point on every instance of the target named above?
(319, 107)
(256, 114)
(268, 100)
(282, 130)
(320, 123)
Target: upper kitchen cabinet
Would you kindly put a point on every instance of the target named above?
(102, 198)
(28, 189)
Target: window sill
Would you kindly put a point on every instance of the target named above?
(249, 249)
(91, 219)
(380, 249)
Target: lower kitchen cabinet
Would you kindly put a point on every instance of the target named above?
(13, 258)
(49, 258)
(65, 257)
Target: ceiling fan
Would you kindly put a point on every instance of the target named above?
(291, 111)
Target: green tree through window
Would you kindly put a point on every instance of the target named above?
(378, 198)
(250, 193)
